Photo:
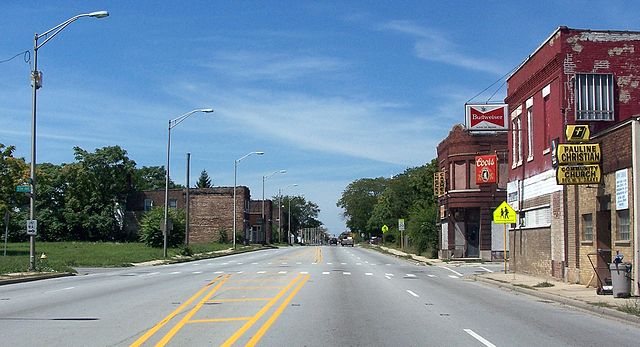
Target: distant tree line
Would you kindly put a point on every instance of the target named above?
(304, 214)
(370, 203)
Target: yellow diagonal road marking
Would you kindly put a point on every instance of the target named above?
(254, 340)
(188, 316)
(258, 315)
(166, 320)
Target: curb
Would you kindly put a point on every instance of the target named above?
(44, 276)
(601, 311)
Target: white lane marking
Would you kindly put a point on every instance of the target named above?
(410, 275)
(174, 273)
(485, 269)
(262, 272)
(197, 272)
(222, 263)
(151, 274)
(239, 272)
(329, 263)
(346, 273)
(219, 272)
(387, 276)
(196, 264)
(368, 274)
(284, 263)
(314, 263)
(325, 272)
(240, 263)
(358, 263)
(412, 293)
(343, 263)
(298, 263)
(59, 290)
(479, 338)
(431, 275)
(387, 264)
(269, 263)
(282, 272)
(452, 276)
(454, 271)
(304, 272)
(254, 263)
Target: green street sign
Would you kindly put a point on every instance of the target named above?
(23, 189)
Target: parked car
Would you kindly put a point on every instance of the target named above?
(333, 241)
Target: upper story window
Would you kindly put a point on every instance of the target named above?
(148, 204)
(529, 105)
(594, 97)
(516, 137)
(173, 203)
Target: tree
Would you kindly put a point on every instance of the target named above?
(358, 201)
(13, 172)
(151, 233)
(304, 214)
(204, 181)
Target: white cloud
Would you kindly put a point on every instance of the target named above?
(434, 46)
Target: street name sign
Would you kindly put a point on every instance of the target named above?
(504, 214)
(578, 153)
(23, 189)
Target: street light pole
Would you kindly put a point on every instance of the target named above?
(36, 77)
(172, 124)
(235, 178)
(280, 215)
(264, 178)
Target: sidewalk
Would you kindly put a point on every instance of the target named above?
(575, 295)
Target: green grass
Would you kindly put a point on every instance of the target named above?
(63, 256)
(523, 286)
(544, 284)
(631, 307)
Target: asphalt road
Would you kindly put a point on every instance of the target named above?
(299, 296)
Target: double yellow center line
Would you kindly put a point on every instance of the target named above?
(318, 258)
(219, 282)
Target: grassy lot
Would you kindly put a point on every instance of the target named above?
(62, 256)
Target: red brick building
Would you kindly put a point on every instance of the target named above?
(210, 210)
(467, 230)
(586, 77)
(259, 232)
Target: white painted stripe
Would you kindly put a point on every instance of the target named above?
(358, 263)
(410, 275)
(181, 264)
(387, 276)
(485, 269)
(219, 272)
(314, 263)
(325, 272)
(479, 338)
(254, 263)
(343, 263)
(412, 293)
(284, 263)
(269, 263)
(151, 274)
(196, 264)
(262, 272)
(329, 263)
(454, 271)
(174, 273)
(225, 263)
(239, 272)
(452, 276)
(298, 263)
(282, 272)
(240, 263)
(431, 275)
(304, 272)
(59, 290)
(197, 272)
(368, 274)
(387, 264)
(346, 273)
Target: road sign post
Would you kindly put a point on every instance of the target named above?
(6, 230)
(504, 214)
(401, 228)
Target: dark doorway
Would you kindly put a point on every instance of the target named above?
(472, 235)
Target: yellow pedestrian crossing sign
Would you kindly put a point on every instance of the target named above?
(504, 214)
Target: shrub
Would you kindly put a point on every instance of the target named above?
(151, 228)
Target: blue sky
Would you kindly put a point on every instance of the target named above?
(331, 91)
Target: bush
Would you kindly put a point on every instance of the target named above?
(151, 231)
(222, 236)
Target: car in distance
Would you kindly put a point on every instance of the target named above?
(346, 241)
(333, 241)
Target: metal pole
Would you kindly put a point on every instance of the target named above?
(264, 225)
(504, 237)
(166, 196)
(289, 223)
(32, 176)
(6, 230)
(235, 175)
(186, 222)
(280, 214)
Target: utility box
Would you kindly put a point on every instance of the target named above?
(621, 279)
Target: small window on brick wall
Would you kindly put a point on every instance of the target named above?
(624, 233)
(173, 203)
(587, 227)
(594, 97)
(148, 204)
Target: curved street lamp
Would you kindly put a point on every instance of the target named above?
(172, 124)
(36, 80)
(235, 175)
(264, 178)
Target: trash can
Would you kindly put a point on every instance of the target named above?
(621, 279)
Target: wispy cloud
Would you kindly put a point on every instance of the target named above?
(272, 66)
(434, 46)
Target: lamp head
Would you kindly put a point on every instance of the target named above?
(282, 171)
(99, 14)
(259, 153)
(207, 110)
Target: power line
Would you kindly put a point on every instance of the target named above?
(26, 55)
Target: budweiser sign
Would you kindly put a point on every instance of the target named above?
(486, 169)
(489, 117)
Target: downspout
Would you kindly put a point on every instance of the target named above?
(635, 167)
